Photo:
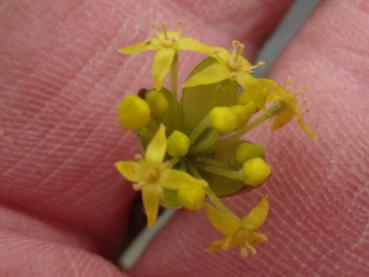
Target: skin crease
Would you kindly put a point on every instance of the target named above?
(63, 206)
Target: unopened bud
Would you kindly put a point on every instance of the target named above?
(157, 102)
(191, 197)
(133, 112)
(178, 144)
(255, 171)
(246, 151)
(243, 113)
(223, 119)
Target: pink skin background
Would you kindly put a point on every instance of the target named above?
(64, 207)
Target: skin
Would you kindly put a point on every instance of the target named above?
(63, 207)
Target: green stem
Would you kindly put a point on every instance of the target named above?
(199, 129)
(211, 162)
(249, 127)
(224, 172)
(174, 76)
(182, 166)
(212, 196)
(275, 108)
(173, 162)
(206, 143)
(174, 107)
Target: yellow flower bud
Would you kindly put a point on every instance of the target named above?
(223, 119)
(255, 171)
(243, 113)
(178, 144)
(133, 112)
(157, 102)
(246, 151)
(191, 197)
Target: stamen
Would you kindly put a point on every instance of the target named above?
(180, 23)
(301, 90)
(137, 186)
(305, 105)
(288, 82)
(155, 29)
(236, 51)
(138, 157)
(154, 26)
(251, 248)
(226, 243)
(259, 64)
(243, 252)
(165, 31)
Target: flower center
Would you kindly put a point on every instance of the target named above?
(152, 175)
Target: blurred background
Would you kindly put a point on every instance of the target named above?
(292, 22)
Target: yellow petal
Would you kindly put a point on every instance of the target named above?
(155, 151)
(256, 237)
(175, 179)
(150, 199)
(132, 171)
(215, 246)
(257, 216)
(137, 48)
(161, 65)
(225, 222)
(256, 92)
(212, 74)
(245, 64)
(306, 129)
(245, 79)
(220, 54)
(281, 120)
(188, 43)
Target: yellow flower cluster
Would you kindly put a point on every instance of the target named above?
(194, 151)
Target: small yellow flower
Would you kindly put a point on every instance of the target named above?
(238, 232)
(285, 95)
(230, 65)
(257, 92)
(166, 44)
(151, 175)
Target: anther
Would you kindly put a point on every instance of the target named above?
(237, 49)
(138, 157)
(154, 26)
(261, 64)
